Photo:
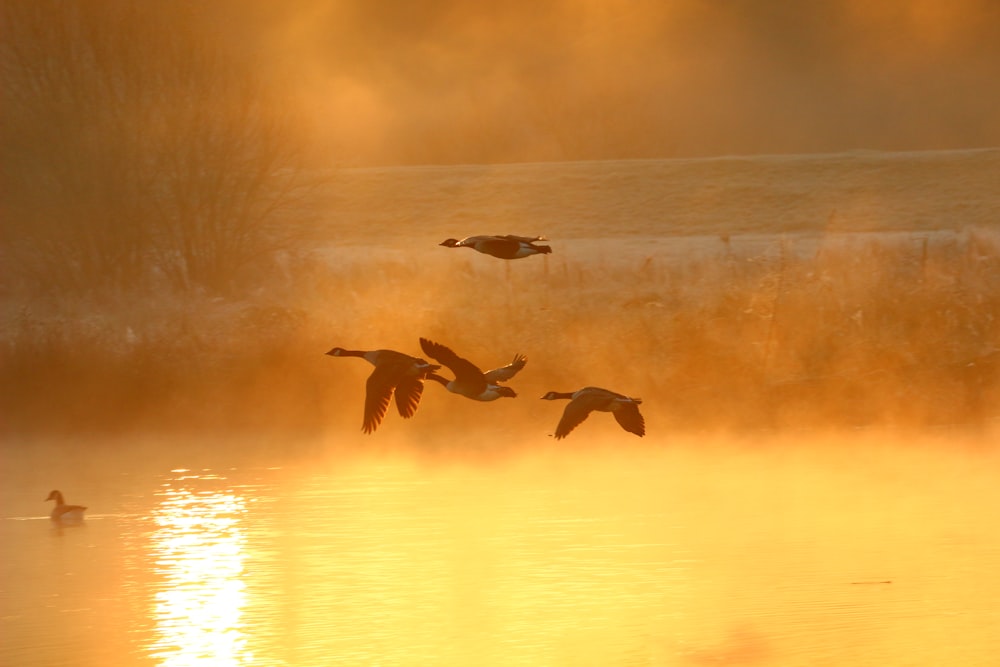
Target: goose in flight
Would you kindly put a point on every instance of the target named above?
(62, 511)
(395, 373)
(584, 401)
(469, 380)
(502, 247)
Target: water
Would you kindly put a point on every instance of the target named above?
(852, 551)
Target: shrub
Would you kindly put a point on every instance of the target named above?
(135, 153)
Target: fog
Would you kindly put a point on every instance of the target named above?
(452, 82)
(449, 82)
(200, 199)
(682, 552)
(722, 292)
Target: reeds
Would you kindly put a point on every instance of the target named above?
(841, 332)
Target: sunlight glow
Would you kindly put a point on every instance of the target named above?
(199, 551)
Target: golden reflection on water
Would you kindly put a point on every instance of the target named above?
(667, 557)
(198, 551)
(829, 554)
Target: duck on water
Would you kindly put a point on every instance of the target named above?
(65, 513)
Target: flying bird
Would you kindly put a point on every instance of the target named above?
(395, 373)
(470, 381)
(63, 512)
(503, 247)
(584, 401)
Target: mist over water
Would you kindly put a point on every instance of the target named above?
(199, 200)
(819, 393)
(868, 550)
(452, 83)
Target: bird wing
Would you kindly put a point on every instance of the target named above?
(378, 392)
(465, 371)
(505, 373)
(628, 415)
(408, 393)
(523, 239)
(473, 240)
(578, 409)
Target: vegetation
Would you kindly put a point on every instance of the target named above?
(155, 201)
(875, 331)
(135, 154)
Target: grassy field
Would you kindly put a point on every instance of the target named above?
(863, 191)
(769, 293)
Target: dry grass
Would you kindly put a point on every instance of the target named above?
(873, 330)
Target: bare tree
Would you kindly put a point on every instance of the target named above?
(132, 148)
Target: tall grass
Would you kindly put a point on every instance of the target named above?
(852, 331)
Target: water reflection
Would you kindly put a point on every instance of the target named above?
(198, 551)
(677, 556)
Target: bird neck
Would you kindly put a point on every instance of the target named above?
(437, 378)
(341, 352)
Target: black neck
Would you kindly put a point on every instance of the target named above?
(347, 353)
(437, 378)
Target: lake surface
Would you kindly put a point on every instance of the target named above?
(803, 551)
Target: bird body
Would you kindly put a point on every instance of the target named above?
(584, 401)
(470, 381)
(491, 393)
(63, 512)
(395, 373)
(502, 247)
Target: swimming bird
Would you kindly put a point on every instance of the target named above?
(62, 511)
(586, 400)
(503, 247)
(469, 380)
(395, 373)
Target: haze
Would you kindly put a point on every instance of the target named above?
(449, 82)
(800, 279)
(178, 214)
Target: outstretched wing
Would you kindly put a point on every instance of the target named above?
(408, 393)
(628, 415)
(574, 414)
(523, 239)
(473, 240)
(465, 371)
(378, 393)
(505, 373)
